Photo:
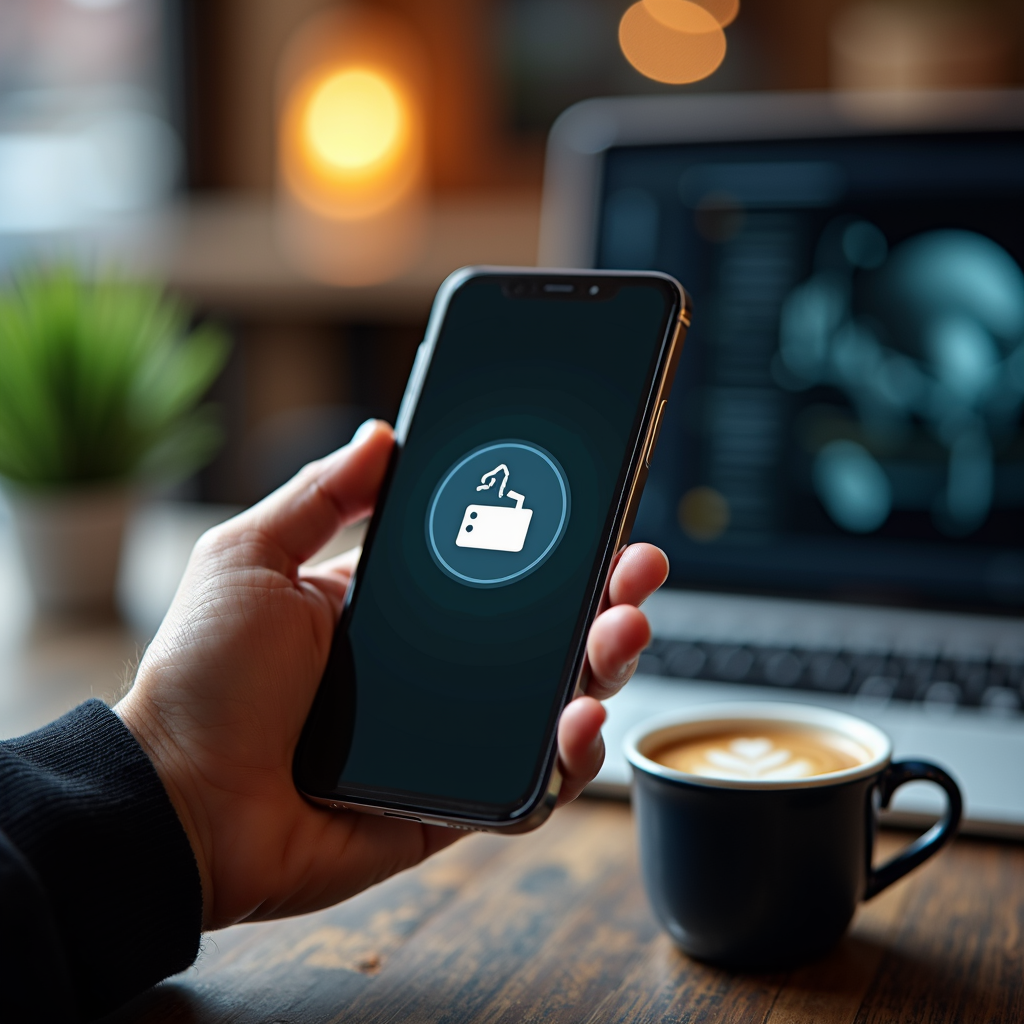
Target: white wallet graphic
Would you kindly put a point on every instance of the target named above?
(495, 527)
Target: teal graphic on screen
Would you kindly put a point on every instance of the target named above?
(447, 668)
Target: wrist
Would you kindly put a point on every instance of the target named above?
(171, 766)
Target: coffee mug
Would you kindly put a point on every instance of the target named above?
(752, 862)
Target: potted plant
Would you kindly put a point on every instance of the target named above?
(100, 388)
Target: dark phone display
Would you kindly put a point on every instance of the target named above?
(451, 661)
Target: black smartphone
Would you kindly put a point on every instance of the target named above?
(522, 446)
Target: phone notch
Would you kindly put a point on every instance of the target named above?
(560, 289)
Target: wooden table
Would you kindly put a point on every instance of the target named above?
(554, 926)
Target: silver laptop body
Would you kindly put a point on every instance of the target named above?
(947, 685)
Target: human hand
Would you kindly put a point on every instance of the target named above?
(223, 691)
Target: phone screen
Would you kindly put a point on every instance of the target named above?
(452, 658)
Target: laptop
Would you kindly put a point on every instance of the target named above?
(839, 481)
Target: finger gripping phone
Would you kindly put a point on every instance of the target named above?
(522, 447)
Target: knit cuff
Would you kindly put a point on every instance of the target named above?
(85, 807)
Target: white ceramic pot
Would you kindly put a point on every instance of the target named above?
(71, 543)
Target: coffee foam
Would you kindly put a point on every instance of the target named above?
(763, 752)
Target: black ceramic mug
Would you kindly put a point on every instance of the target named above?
(763, 873)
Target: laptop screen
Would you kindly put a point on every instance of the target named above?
(847, 418)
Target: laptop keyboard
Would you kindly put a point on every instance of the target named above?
(992, 685)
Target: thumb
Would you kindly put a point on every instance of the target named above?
(303, 514)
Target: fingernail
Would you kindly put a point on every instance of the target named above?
(364, 430)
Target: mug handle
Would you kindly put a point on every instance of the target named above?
(933, 840)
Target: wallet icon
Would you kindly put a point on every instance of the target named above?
(495, 527)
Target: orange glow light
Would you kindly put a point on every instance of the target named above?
(723, 11)
(354, 119)
(351, 205)
(672, 41)
(349, 145)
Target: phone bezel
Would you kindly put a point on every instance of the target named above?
(544, 793)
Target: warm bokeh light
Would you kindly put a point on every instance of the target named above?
(703, 514)
(349, 142)
(354, 119)
(681, 15)
(672, 41)
(723, 11)
(351, 205)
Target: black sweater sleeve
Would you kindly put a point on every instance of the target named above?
(100, 895)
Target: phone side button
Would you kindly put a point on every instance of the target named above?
(654, 433)
(404, 817)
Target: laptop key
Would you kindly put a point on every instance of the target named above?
(1001, 700)
(684, 660)
(972, 676)
(781, 668)
(650, 664)
(942, 694)
(865, 666)
(878, 688)
(913, 671)
(1003, 673)
(908, 688)
(732, 663)
(829, 672)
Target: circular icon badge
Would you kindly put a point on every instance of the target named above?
(498, 514)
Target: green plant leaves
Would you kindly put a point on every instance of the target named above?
(102, 380)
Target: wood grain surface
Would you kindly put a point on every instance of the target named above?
(554, 926)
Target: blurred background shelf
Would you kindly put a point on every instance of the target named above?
(222, 255)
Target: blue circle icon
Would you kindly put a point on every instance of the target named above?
(498, 514)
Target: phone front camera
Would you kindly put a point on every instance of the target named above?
(594, 289)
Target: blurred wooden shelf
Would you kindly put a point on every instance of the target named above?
(221, 254)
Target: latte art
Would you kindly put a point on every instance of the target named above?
(763, 754)
(754, 759)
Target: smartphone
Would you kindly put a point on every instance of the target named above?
(522, 447)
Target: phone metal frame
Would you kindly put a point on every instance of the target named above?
(545, 795)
